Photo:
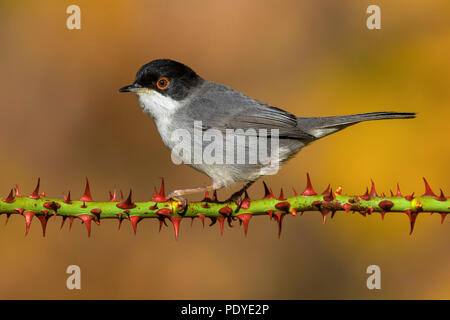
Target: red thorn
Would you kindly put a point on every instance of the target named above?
(213, 221)
(162, 221)
(221, 221)
(35, 194)
(226, 211)
(324, 213)
(309, 191)
(202, 218)
(206, 198)
(119, 216)
(43, 219)
(441, 197)
(281, 197)
(43, 194)
(17, 191)
(71, 222)
(270, 213)
(443, 216)
(373, 192)
(28, 217)
(283, 206)
(161, 195)
(294, 212)
(126, 204)
(176, 225)
(245, 204)
(279, 217)
(428, 191)
(245, 218)
(410, 197)
(63, 221)
(7, 218)
(392, 194)
(332, 214)
(87, 193)
(412, 218)
(327, 190)
(87, 221)
(386, 205)
(214, 197)
(10, 197)
(366, 195)
(347, 207)
(268, 194)
(113, 196)
(399, 194)
(295, 192)
(329, 197)
(338, 190)
(134, 221)
(67, 199)
(382, 215)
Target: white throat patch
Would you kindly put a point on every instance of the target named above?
(157, 105)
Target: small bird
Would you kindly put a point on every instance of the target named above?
(177, 98)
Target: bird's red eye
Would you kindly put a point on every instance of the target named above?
(163, 83)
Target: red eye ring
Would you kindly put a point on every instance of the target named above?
(163, 83)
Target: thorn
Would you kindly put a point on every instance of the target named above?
(441, 197)
(281, 197)
(412, 218)
(87, 193)
(268, 194)
(126, 204)
(309, 191)
(373, 192)
(245, 218)
(213, 221)
(119, 216)
(86, 218)
(43, 194)
(324, 213)
(62, 222)
(176, 225)
(410, 198)
(270, 213)
(67, 199)
(162, 221)
(214, 198)
(17, 191)
(279, 217)
(347, 207)
(338, 190)
(428, 191)
(399, 194)
(295, 192)
(221, 221)
(245, 204)
(10, 197)
(294, 212)
(43, 219)
(7, 218)
(35, 194)
(28, 218)
(443, 216)
(71, 222)
(327, 190)
(202, 218)
(134, 221)
(366, 195)
(329, 197)
(206, 198)
(382, 215)
(113, 196)
(161, 195)
(96, 212)
(164, 212)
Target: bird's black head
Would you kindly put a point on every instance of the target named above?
(168, 77)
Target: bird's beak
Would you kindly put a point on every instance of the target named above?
(131, 88)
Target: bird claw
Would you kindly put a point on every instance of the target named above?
(182, 202)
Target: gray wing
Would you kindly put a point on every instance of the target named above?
(222, 108)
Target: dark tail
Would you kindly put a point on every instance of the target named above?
(323, 126)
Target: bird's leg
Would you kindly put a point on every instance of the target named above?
(178, 194)
(235, 196)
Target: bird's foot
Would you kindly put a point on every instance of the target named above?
(182, 202)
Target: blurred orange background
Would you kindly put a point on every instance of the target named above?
(62, 119)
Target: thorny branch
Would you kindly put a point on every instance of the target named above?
(162, 208)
